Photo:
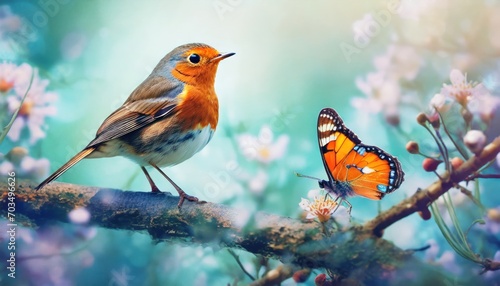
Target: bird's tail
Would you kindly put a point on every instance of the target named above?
(84, 153)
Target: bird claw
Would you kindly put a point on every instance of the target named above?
(183, 196)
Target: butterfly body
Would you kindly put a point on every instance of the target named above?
(354, 168)
(340, 189)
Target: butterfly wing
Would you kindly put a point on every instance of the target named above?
(352, 167)
(335, 141)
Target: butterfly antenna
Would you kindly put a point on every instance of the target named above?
(305, 176)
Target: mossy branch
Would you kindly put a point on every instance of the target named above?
(346, 252)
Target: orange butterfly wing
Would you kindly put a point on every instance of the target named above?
(354, 168)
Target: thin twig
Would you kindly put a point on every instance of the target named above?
(238, 261)
(423, 248)
(482, 176)
(459, 148)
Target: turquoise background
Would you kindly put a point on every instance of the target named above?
(288, 66)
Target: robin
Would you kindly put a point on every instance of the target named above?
(167, 119)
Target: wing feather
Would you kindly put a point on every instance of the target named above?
(152, 100)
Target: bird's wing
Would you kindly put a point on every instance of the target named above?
(148, 105)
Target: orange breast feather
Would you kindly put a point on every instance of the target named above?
(198, 108)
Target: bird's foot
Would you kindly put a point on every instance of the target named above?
(183, 196)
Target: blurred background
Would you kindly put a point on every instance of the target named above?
(378, 63)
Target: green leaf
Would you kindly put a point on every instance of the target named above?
(457, 240)
(444, 229)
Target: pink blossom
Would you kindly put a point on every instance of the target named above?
(382, 88)
(258, 183)
(462, 90)
(9, 22)
(399, 62)
(79, 216)
(475, 140)
(439, 103)
(26, 167)
(485, 106)
(38, 104)
(447, 259)
(381, 93)
(323, 207)
(263, 148)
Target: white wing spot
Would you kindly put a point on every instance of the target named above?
(325, 127)
(367, 170)
(323, 142)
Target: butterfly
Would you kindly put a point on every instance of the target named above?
(353, 168)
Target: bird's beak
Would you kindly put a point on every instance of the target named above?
(220, 57)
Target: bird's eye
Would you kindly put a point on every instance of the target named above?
(194, 58)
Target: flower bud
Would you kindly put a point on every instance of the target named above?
(425, 214)
(456, 162)
(273, 274)
(475, 141)
(430, 164)
(393, 119)
(412, 147)
(436, 123)
(422, 119)
(301, 275)
(320, 279)
(486, 117)
(467, 115)
(493, 214)
(16, 154)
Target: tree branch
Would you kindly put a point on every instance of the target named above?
(349, 252)
(423, 198)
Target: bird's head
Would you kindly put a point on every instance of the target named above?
(194, 64)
